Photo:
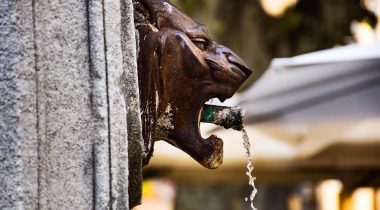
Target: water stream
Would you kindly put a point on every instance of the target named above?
(248, 155)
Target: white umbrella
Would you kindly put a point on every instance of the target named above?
(329, 101)
(335, 84)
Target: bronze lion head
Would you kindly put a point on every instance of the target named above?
(180, 68)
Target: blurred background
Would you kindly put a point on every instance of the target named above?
(312, 111)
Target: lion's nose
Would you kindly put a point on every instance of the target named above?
(234, 59)
(226, 66)
(237, 61)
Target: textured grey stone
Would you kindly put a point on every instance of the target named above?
(66, 115)
(130, 81)
(117, 106)
(18, 122)
(102, 176)
(64, 105)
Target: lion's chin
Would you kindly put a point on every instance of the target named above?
(216, 158)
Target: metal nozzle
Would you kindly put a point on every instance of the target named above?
(228, 117)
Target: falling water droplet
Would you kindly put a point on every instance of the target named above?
(248, 155)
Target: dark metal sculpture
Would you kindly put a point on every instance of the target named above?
(180, 68)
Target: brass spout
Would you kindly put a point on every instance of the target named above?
(228, 117)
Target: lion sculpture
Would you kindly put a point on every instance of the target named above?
(180, 68)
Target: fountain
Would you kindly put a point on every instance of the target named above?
(180, 68)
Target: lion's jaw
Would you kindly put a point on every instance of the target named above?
(177, 76)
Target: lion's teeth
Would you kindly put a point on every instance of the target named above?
(199, 118)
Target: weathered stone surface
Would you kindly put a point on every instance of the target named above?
(65, 115)
(117, 107)
(102, 178)
(131, 91)
(18, 122)
(64, 105)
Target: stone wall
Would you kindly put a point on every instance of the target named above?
(69, 108)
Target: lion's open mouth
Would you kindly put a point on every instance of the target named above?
(207, 151)
(215, 158)
(227, 117)
(210, 150)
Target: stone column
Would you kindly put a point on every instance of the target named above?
(69, 107)
(18, 107)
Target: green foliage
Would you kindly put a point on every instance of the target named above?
(189, 6)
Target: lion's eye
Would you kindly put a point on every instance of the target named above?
(200, 43)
